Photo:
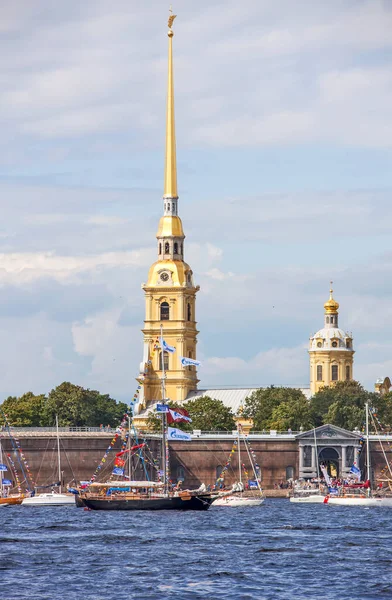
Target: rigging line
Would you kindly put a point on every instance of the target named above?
(42, 460)
(381, 446)
(218, 458)
(16, 449)
(69, 464)
(253, 467)
(140, 451)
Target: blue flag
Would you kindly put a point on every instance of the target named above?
(356, 472)
(118, 471)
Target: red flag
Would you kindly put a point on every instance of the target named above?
(180, 415)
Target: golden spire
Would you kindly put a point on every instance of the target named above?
(170, 187)
(331, 306)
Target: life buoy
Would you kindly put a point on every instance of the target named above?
(326, 500)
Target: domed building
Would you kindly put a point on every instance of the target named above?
(331, 350)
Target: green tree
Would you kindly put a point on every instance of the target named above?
(206, 413)
(383, 406)
(25, 411)
(278, 408)
(342, 404)
(76, 406)
(292, 414)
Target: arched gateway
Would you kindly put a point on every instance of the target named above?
(337, 448)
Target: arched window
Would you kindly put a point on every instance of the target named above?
(348, 344)
(334, 373)
(319, 372)
(165, 311)
(181, 248)
(175, 248)
(349, 456)
(289, 473)
(327, 319)
(160, 248)
(167, 248)
(165, 361)
(168, 207)
(331, 319)
(189, 312)
(307, 456)
(348, 372)
(180, 473)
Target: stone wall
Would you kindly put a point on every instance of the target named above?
(197, 460)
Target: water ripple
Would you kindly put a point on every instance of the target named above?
(273, 552)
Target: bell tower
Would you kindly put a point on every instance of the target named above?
(170, 291)
(331, 350)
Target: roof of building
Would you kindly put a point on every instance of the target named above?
(329, 334)
(233, 398)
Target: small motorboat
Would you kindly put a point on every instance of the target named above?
(238, 500)
(49, 499)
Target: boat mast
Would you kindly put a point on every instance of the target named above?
(1, 472)
(367, 444)
(317, 461)
(129, 449)
(58, 451)
(239, 452)
(163, 386)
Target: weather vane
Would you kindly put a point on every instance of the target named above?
(171, 17)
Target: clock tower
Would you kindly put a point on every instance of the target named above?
(170, 291)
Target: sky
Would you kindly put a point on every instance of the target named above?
(284, 146)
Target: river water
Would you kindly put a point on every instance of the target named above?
(275, 551)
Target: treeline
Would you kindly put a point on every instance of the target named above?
(279, 408)
(74, 405)
(342, 405)
(282, 408)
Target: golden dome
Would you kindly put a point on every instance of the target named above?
(331, 306)
(170, 226)
(177, 269)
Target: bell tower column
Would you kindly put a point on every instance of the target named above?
(170, 285)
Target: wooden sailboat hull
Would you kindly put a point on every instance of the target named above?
(11, 500)
(199, 502)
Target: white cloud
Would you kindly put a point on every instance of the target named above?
(27, 267)
(279, 366)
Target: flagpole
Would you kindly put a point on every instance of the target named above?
(367, 446)
(163, 385)
(129, 449)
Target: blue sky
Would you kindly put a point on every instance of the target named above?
(284, 132)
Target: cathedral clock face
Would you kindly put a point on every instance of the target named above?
(164, 276)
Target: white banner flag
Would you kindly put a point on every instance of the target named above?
(177, 434)
(189, 362)
(326, 476)
(165, 346)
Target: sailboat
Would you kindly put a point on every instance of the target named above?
(6, 499)
(53, 498)
(361, 494)
(132, 494)
(239, 499)
(305, 495)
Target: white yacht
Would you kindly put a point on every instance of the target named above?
(49, 499)
(53, 498)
